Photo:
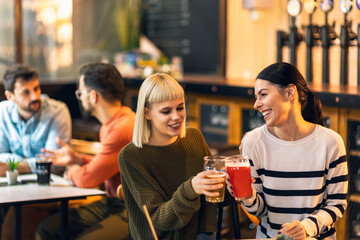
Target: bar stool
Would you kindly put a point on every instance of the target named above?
(235, 218)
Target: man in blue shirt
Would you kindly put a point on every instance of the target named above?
(29, 121)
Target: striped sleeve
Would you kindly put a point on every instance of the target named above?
(256, 205)
(335, 203)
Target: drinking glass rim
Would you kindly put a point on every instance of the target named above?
(215, 158)
(238, 156)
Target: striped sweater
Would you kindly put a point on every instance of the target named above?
(304, 180)
(160, 178)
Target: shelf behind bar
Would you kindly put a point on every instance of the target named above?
(341, 97)
(346, 97)
(354, 198)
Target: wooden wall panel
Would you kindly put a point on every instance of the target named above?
(251, 45)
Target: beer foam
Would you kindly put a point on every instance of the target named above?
(218, 175)
(238, 164)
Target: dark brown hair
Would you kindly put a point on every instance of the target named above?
(282, 75)
(104, 78)
(21, 72)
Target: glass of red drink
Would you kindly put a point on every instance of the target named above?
(238, 170)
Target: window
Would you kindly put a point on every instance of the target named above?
(60, 36)
(7, 35)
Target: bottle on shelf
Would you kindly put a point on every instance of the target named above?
(357, 181)
(356, 227)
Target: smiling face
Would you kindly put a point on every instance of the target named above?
(167, 119)
(272, 102)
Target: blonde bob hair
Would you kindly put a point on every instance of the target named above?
(159, 87)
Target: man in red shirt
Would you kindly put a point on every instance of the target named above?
(100, 90)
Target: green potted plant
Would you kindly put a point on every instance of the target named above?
(13, 173)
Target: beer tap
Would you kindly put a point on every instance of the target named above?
(281, 41)
(358, 54)
(346, 36)
(358, 46)
(312, 35)
(293, 8)
(327, 34)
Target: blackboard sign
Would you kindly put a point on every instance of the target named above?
(186, 28)
(354, 135)
(214, 123)
(251, 120)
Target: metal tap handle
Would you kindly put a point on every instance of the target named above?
(345, 6)
(358, 51)
(281, 40)
(326, 5)
(310, 6)
(332, 33)
(352, 34)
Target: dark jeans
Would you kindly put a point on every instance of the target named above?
(104, 219)
(200, 236)
(204, 236)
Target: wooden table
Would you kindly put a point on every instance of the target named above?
(59, 189)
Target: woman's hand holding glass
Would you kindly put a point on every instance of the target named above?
(230, 186)
(205, 185)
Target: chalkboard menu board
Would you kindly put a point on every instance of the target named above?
(251, 120)
(186, 28)
(354, 135)
(214, 123)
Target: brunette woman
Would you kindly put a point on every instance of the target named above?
(299, 166)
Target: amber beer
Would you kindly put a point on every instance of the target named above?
(216, 163)
(221, 191)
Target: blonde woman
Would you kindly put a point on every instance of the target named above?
(162, 167)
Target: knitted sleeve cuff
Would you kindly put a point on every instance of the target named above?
(188, 191)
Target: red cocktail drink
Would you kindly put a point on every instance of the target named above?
(238, 169)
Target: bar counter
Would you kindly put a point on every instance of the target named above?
(341, 97)
(331, 96)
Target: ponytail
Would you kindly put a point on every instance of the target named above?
(312, 109)
(282, 75)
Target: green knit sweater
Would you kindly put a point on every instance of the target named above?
(160, 178)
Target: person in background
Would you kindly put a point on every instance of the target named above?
(162, 168)
(100, 90)
(29, 121)
(299, 166)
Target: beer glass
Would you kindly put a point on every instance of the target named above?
(216, 163)
(238, 169)
(43, 168)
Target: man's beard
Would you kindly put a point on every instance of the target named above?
(29, 109)
(86, 112)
